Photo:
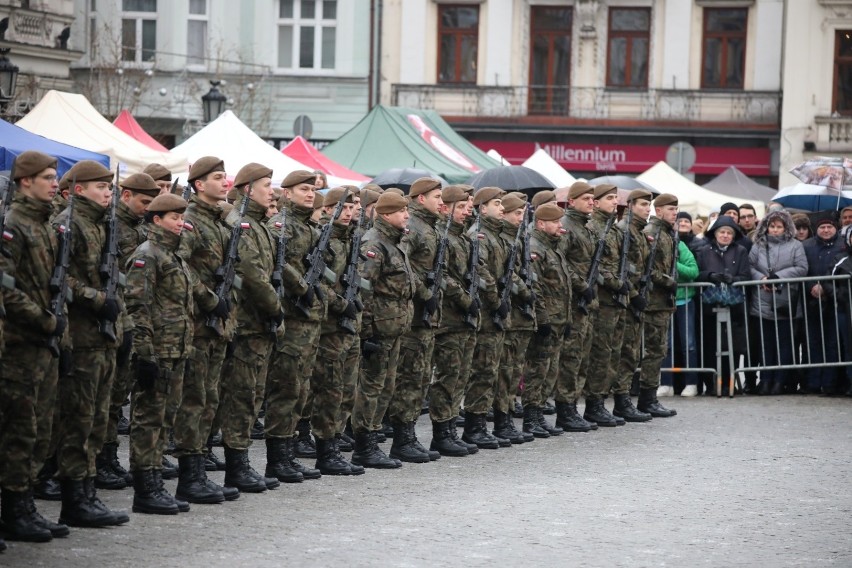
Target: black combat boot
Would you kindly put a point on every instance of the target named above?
(387, 427)
(57, 530)
(258, 432)
(212, 460)
(625, 409)
(119, 517)
(47, 486)
(277, 465)
(111, 450)
(17, 521)
(460, 419)
(569, 419)
(191, 486)
(304, 445)
(504, 429)
(454, 435)
(552, 430)
(531, 423)
(123, 425)
(240, 474)
(169, 470)
(648, 403)
(476, 432)
(443, 443)
(344, 443)
(79, 511)
(596, 412)
(548, 409)
(524, 437)
(412, 429)
(290, 451)
(329, 460)
(183, 506)
(147, 497)
(403, 447)
(368, 454)
(106, 478)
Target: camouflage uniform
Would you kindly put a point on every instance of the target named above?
(244, 374)
(388, 311)
(84, 397)
(661, 304)
(631, 344)
(28, 378)
(203, 245)
(159, 298)
(58, 205)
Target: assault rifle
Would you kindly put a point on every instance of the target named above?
(315, 261)
(226, 274)
(645, 284)
(352, 281)
(59, 279)
(673, 271)
(526, 273)
(472, 275)
(187, 191)
(595, 266)
(6, 281)
(506, 280)
(278, 268)
(623, 261)
(435, 277)
(110, 275)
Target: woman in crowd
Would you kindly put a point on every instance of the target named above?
(776, 254)
(722, 262)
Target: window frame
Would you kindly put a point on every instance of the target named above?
(630, 36)
(319, 24)
(724, 36)
(459, 33)
(552, 106)
(838, 61)
(205, 18)
(138, 18)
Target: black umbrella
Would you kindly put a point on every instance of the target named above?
(403, 178)
(511, 178)
(625, 185)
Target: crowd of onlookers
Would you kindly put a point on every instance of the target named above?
(785, 330)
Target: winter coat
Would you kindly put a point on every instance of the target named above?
(781, 257)
(822, 256)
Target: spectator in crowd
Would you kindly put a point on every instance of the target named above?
(843, 267)
(800, 338)
(731, 210)
(711, 218)
(846, 216)
(803, 226)
(698, 226)
(822, 251)
(722, 262)
(776, 254)
(748, 219)
(687, 236)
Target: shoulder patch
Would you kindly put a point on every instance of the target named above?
(278, 224)
(533, 256)
(139, 263)
(371, 254)
(650, 238)
(245, 225)
(480, 236)
(188, 226)
(8, 236)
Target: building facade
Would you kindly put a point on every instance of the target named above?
(605, 86)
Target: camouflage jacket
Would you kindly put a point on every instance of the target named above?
(58, 205)
(493, 252)
(31, 245)
(88, 236)
(336, 259)
(421, 247)
(159, 298)
(608, 267)
(661, 298)
(388, 307)
(636, 253)
(203, 244)
(131, 232)
(257, 301)
(520, 293)
(578, 248)
(553, 284)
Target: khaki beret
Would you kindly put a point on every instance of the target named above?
(549, 212)
(543, 197)
(486, 194)
(319, 203)
(469, 189)
(604, 189)
(454, 194)
(65, 181)
(332, 196)
(639, 194)
(89, 170)
(167, 203)
(203, 166)
(512, 202)
(277, 193)
(297, 177)
(390, 202)
(373, 187)
(30, 163)
(158, 172)
(395, 190)
(233, 195)
(423, 185)
(141, 183)
(665, 199)
(519, 194)
(579, 188)
(252, 172)
(368, 196)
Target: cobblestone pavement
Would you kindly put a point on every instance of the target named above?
(743, 482)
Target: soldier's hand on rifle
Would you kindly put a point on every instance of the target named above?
(638, 303)
(669, 283)
(368, 347)
(308, 298)
(532, 299)
(544, 330)
(351, 310)
(624, 289)
(278, 317)
(61, 324)
(222, 309)
(589, 294)
(431, 305)
(110, 310)
(147, 373)
(503, 309)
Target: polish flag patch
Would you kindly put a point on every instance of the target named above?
(139, 263)
(62, 229)
(480, 236)
(533, 256)
(278, 224)
(371, 254)
(650, 238)
(188, 226)
(245, 226)
(7, 236)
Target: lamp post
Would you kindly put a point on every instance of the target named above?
(8, 78)
(213, 103)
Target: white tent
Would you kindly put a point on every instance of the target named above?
(496, 155)
(229, 138)
(71, 119)
(544, 164)
(691, 197)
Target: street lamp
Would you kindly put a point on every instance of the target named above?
(213, 103)
(8, 77)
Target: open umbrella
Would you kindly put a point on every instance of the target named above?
(834, 173)
(511, 178)
(625, 185)
(809, 197)
(403, 178)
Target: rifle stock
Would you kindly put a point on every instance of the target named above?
(59, 279)
(108, 270)
(594, 267)
(352, 281)
(623, 259)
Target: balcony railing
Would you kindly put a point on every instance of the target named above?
(833, 134)
(751, 107)
(41, 28)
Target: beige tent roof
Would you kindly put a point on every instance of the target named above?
(71, 119)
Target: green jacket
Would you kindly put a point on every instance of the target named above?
(687, 271)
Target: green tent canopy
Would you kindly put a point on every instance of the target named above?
(397, 137)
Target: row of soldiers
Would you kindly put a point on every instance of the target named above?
(448, 294)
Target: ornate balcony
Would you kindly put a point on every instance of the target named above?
(833, 134)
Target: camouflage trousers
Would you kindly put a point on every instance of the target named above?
(378, 376)
(327, 382)
(289, 380)
(242, 386)
(515, 344)
(452, 368)
(601, 366)
(28, 383)
(150, 419)
(631, 352)
(542, 363)
(351, 368)
(570, 373)
(84, 398)
(479, 393)
(200, 397)
(120, 389)
(656, 346)
(413, 374)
